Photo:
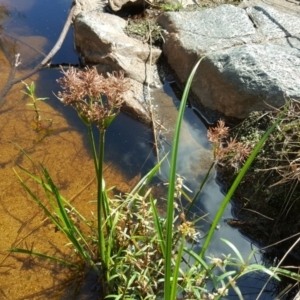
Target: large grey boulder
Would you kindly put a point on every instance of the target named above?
(136, 104)
(252, 56)
(247, 78)
(273, 24)
(100, 38)
(191, 35)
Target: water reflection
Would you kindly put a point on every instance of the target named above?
(4, 14)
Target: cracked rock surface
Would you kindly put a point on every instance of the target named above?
(252, 56)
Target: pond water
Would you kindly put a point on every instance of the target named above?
(31, 28)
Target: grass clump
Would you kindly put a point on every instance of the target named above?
(136, 253)
(268, 199)
(148, 31)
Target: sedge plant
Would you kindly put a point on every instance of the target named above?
(115, 249)
(132, 248)
(97, 100)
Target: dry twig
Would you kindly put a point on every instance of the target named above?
(11, 80)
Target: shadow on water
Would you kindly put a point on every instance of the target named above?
(31, 28)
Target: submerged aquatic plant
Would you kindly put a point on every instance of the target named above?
(39, 124)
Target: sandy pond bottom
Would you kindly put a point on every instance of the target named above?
(22, 224)
(64, 152)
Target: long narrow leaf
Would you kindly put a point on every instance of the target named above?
(286, 273)
(39, 203)
(158, 227)
(47, 186)
(171, 189)
(45, 256)
(202, 263)
(68, 225)
(235, 250)
(226, 275)
(61, 211)
(259, 268)
(176, 269)
(204, 181)
(61, 220)
(144, 182)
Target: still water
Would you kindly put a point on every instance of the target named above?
(31, 28)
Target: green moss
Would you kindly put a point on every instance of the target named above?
(144, 29)
(171, 6)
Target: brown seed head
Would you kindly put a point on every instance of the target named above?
(96, 98)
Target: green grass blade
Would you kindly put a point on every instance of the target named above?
(204, 265)
(93, 147)
(176, 269)
(62, 214)
(204, 181)
(112, 235)
(45, 256)
(235, 250)
(62, 220)
(237, 181)
(105, 199)
(286, 273)
(259, 268)
(22, 150)
(144, 182)
(67, 226)
(101, 208)
(39, 203)
(158, 227)
(171, 189)
(226, 275)
(48, 188)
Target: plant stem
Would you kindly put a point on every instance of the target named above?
(100, 206)
(94, 152)
(171, 189)
(204, 181)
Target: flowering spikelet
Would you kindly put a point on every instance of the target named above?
(231, 151)
(96, 98)
(216, 134)
(187, 229)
